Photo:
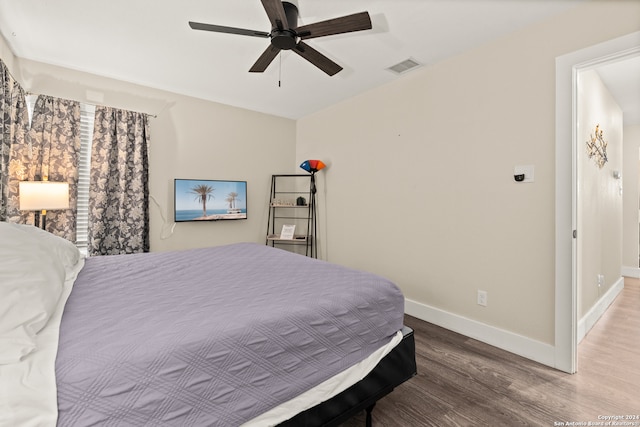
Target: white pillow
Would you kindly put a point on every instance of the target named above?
(66, 252)
(33, 268)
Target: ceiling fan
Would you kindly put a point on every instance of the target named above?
(286, 35)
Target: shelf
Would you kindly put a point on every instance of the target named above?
(292, 192)
(284, 210)
(296, 238)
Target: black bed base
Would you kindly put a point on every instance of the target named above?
(394, 369)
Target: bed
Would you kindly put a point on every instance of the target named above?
(236, 335)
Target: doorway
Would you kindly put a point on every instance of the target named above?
(568, 68)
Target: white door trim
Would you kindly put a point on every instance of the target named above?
(567, 68)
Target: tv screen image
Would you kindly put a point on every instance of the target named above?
(209, 200)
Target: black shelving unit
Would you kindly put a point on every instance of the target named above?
(293, 202)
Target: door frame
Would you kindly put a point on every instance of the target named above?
(568, 67)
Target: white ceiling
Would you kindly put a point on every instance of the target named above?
(149, 42)
(622, 78)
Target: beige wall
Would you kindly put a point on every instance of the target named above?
(190, 138)
(205, 140)
(630, 178)
(600, 195)
(6, 55)
(420, 185)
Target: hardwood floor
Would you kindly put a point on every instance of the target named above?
(463, 382)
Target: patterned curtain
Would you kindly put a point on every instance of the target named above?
(51, 150)
(118, 187)
(14, 122)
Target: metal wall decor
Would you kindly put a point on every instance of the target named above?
(597, 147)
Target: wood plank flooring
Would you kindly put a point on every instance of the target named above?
(463, 382)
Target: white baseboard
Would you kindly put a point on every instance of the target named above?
(509, 341)
(631, 272)
(593, 315)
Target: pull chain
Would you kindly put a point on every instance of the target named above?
(280, 70)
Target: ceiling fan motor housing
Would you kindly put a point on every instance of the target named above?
(286, 39)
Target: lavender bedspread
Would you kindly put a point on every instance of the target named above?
(212, 337)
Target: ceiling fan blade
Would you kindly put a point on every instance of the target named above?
(265, 59)
(345, 24)
(317, 59)
(275, 12)
(229, 30)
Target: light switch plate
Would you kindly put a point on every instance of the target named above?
(527, 170)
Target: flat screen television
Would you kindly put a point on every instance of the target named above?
(209, 200)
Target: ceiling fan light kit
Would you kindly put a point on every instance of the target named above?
(286, 35)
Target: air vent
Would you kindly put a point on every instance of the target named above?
(404, 66)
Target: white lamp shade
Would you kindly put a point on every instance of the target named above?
(37, 195)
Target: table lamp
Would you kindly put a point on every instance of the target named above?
(43, 195)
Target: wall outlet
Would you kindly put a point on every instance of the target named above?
(482, 298)
(600, 280)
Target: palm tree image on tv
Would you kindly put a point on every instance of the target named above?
(203, 193)
(231, 198)
(200, 200)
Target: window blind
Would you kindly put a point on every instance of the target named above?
(87, 115)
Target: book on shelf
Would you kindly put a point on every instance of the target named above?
(287, 232)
